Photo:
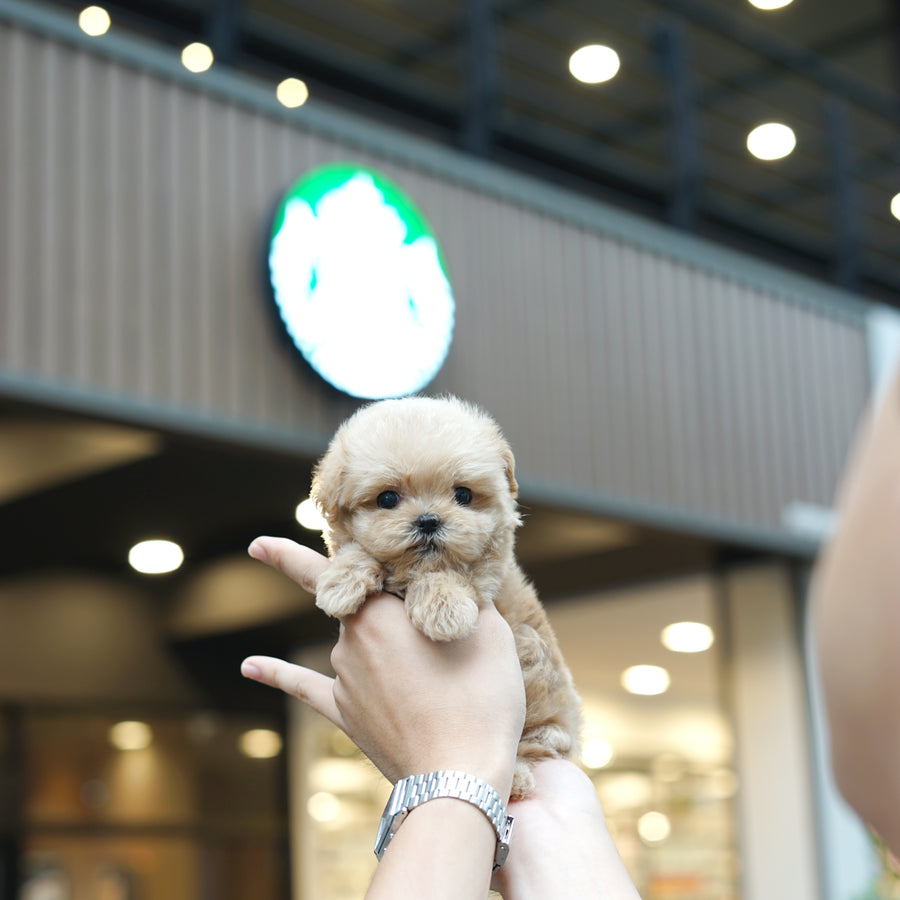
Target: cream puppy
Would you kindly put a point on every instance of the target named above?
(420, 499)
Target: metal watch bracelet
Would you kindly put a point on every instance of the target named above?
(415, 790)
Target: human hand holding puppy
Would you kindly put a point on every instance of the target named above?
(463, 702)
(413, 705)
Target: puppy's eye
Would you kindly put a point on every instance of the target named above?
(388, 499)
(463, 496)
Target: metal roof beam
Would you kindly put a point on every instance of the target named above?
(671, 46)
(804, 62)
(846, 224)
(408, 56)
(226, 17)
(480, 77)
(649, 118)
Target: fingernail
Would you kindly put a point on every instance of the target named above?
(257, 551)
(249, 670)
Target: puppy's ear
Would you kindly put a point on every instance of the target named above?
(510, 463)
(327, 482)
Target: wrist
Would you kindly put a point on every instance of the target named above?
(444, 850)
(415, 791)
(487, 757)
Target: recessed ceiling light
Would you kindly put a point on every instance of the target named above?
(155, 557)
(323, 806)
(308, 515)
(594, 63)
(687, 637)
(596, 753)
(654, 827)
(292, 92)
(131, 735)
(770, 4)
(646, 680)
(94, 20)
(773, 140)
(197, 57)
(260, 743)
(895, 206)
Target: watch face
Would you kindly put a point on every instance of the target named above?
(360, 282)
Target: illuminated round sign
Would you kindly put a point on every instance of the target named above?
(360, 282)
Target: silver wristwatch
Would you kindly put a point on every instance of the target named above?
(411, 792)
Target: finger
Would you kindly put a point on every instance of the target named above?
(313, 688)
(491, 621)
(299, 563)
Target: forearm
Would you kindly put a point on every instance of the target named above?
(444, 851)
(583, 866)
(857, 604)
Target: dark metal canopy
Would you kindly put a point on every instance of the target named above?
(666, 136)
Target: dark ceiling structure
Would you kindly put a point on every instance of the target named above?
(665, 137)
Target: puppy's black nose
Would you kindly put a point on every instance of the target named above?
(428, 523)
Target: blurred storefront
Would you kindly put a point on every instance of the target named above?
(186, 805)
(680, 414)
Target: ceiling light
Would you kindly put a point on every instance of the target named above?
(94, 20)
(646, 680)
(596, 753)
(895, 206)
(654, 827)
(155, 557)
(260, 743)
(131, 735)
(323, 806)
(197, 57)
(292, 92)
(594, 63)
(770, 4)
(687, 637)
(771, 141)
(308, 515)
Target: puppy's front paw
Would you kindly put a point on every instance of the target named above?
(523, 781)
(439, 607)
(342, 590)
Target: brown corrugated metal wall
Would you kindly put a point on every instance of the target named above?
(133, 210)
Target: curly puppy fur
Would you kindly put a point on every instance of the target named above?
(420, 499)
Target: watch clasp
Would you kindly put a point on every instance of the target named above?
(503, 844)
(387, 827)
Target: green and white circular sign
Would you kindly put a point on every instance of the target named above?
(360, 282)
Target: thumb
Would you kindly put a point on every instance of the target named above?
(313, 688)
(301, 564)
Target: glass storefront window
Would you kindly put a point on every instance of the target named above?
(156, 807)
(666, 773)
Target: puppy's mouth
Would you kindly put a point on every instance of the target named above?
(429, 547)
(426, 544)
